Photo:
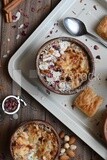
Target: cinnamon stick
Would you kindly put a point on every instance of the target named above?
(5, 2)
(12, 5)
(8, 16)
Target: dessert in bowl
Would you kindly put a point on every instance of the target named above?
(35, 140)
(64, 65)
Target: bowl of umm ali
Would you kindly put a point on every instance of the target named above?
(64, 65)
(35, 140)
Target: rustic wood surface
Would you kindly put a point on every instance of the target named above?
(33, 13)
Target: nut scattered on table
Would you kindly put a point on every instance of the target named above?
(64, 157)
(66, 138)
(72, 140)
(61, 134)
(68, 146)
(62, 150)
(70, 153)
(73, 147)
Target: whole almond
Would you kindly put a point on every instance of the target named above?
(72, 140)
(61, 134)
(64, 157)
(70, 153)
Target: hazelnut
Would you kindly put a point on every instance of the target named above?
(66, 138)
(66, 145)
(61, 134)
(70, 153)
(72, 140)
(64, 157)
(62, 151)
(73, 147)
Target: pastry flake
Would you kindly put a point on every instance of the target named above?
(88, 102)
(102, 28)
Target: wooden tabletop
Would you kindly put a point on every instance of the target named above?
(12, 36)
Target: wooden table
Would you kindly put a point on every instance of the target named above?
(33, 13)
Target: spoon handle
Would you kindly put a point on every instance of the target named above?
(97, 39)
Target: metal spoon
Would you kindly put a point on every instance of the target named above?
(77, 28)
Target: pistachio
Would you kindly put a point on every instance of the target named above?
(64, 157)
(72, 140)
(70, 153)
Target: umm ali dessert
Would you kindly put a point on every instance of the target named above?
(64, 65)
(35, 141)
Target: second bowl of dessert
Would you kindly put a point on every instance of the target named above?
(65, 65)
(35, 140)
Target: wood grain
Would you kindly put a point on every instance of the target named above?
(33, 12)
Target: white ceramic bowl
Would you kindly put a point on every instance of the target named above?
(17, 108)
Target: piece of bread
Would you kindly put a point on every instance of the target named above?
(88, 102)
(102, 28)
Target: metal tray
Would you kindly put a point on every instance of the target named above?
(22, 69)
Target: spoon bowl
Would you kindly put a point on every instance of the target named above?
(74, 26)
(77, 28)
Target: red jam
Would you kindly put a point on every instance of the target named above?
(10, 104)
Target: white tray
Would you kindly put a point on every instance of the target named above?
(22, 69)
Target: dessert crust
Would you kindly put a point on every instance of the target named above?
(88, 102)
(102, 28)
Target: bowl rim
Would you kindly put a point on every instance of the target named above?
(105, 129)
(91, 63)
(37, 122)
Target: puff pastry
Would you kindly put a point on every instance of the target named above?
(88, 102)
(102, 28)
